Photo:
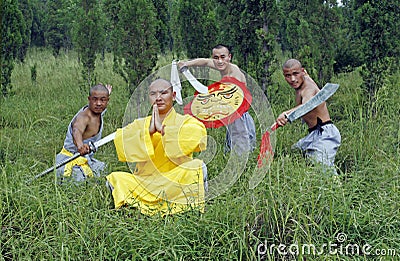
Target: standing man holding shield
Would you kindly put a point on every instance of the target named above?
(240, 135)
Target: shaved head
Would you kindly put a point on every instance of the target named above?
(99, 87)
(162, 83)
(162, 95)
(292, 63)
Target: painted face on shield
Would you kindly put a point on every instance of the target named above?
(221, 101)
(222, 104)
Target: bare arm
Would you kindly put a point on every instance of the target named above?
(78, 129)
(197, 62)
(306, 95)
(282, 120)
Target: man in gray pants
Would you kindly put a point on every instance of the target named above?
(241, 133)
(323, 140)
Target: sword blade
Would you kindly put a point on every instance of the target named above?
(193, 81)
(96, 145)
(104, 140)
(326, 92)
(176, 82)
(62, 163)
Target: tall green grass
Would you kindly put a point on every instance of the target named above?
(294, 204)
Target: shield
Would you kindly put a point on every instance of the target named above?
(225, 102)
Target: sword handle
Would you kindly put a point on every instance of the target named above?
(275, 126)
(92, 147)
(183, 69)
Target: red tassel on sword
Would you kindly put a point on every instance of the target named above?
(266, 152)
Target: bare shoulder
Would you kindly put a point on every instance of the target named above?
(82, 118)
(310, 86)
(307, 91)
(237, 73)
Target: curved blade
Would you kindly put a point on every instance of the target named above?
(193, 81)
(326, 92)
(176, 83)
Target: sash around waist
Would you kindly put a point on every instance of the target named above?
(319, 124)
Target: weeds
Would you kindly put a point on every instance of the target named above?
(294, 205)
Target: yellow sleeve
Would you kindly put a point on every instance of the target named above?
(185, 138)
(133, 142)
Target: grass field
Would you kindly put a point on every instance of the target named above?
(294, 210)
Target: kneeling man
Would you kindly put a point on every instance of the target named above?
(166, 179)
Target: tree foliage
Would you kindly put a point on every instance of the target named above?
(163, 34)
(198, 24)
(265, 17)
(58, 22)
(38, 23)
(348, 52)
(89, 36)
(311, 35)
(325, 37)
(13, 29)
(26, 10)
(378, 27)
(176, 42)
(135, 45)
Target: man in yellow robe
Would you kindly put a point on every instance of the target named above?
(167, 179)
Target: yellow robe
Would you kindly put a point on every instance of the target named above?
(167, 179)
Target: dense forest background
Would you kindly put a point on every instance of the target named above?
(326, 36)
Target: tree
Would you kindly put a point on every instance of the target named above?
(326, 25)
(267, 27)
(311, 31)
(163, 34)
(198, 27)
(348, 54)
(12, 30)
(378, 27)
(230, 31)
(38, 23)
(134, 40)
(26, 10)
(89, 36)
(176, 43)
(58, 25)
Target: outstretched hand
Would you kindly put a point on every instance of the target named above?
(156, 123)
(181, 64)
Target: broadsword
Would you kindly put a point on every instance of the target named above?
(323, 95)
(193, 81)
(266, 148)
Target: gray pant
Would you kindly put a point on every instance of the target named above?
(320, 146)
(241, 135)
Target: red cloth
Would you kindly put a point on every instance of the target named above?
(266, 153)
